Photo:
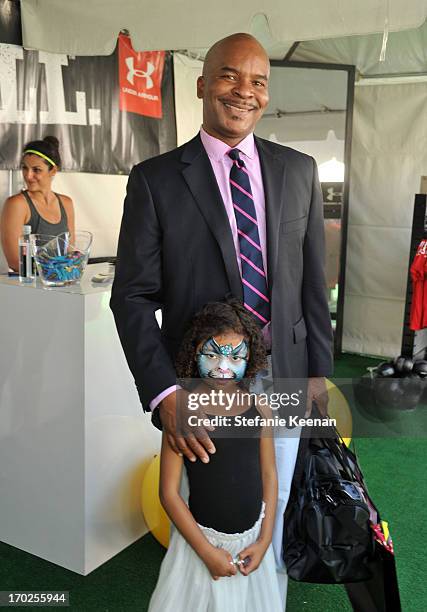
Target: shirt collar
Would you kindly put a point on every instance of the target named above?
(217, 149)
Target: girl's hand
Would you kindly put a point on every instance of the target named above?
(253, 555)
(219, 563)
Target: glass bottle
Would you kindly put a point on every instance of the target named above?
(26, 265)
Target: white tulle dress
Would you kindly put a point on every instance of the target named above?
(185, 584)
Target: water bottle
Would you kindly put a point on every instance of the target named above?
(26, 265)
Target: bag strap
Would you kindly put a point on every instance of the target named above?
(300, 463)
(310, 437)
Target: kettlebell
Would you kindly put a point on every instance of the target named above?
(420, 368)
(403, 365)
(385, 369)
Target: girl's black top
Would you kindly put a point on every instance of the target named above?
(226, 493)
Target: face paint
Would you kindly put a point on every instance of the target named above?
(223, 360)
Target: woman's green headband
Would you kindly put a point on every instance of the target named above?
(40, 155)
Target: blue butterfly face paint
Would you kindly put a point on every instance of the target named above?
(223, 360)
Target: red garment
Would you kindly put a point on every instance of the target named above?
(424, 319)
(418, 271)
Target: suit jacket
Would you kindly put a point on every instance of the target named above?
(176, 253)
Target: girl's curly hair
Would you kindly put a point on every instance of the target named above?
(216, 318)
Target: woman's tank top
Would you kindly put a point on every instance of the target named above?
(226, 493)
(40, 225)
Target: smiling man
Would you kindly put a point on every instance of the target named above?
(235, 93)
(226, 214)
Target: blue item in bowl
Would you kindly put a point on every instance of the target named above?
(58, 261)
(62, 268)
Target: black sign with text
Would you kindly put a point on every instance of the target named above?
(76, 99)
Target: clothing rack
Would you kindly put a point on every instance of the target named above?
(414, 343)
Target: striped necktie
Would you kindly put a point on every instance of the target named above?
(255, 292)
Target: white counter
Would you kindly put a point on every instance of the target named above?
(74, 441)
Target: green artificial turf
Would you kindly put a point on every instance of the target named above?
(395, 474)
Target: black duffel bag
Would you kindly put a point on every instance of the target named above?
(328, 536)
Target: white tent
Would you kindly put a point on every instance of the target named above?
(389, 152)
(91, 28)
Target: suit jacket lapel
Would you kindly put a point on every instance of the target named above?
(273, 171)
(201, 181)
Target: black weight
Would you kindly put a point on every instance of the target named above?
(385, 369)
(387, 392)
(408, 365)
(364, 392)
(366, 403)
(398, 393)
(403, 365)
(420, 368)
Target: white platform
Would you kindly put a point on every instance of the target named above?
(74, 441)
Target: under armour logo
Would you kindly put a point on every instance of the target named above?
(134, 72)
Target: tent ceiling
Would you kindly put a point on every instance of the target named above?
(406, 52)
(299, 90)
(82, 27)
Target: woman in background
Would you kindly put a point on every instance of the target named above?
(44, 210)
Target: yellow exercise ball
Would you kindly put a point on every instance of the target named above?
(338, 409)
(154, 515)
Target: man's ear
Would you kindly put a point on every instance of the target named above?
(200, 87)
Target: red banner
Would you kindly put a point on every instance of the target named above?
(140, 78)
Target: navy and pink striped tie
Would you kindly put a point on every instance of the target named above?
(255, 292)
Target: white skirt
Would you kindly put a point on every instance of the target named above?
(185, 583)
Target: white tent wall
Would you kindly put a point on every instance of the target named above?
(4, 192)
(98, 201)
(188, 108)
(389, 155)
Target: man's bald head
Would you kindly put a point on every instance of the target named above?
(234, 87)
(245, 41)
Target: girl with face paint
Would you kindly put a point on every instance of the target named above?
(223, 534)
(221, 360)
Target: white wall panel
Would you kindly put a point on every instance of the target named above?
(389, 155)
(98, 201)
(372, 326)
(4, 193)
(188, 108)
(377, 260)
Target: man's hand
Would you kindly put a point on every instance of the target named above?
(190, 441)
(317, 391)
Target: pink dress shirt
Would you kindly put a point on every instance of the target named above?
(221, 165)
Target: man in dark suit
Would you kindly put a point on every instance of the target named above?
(181, 245)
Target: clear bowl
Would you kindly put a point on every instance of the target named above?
(58, 261)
